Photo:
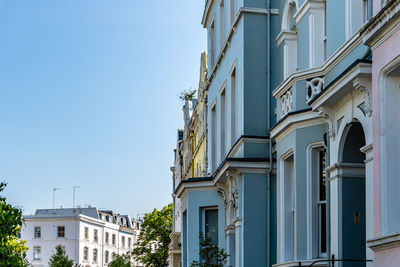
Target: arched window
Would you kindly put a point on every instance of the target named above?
(356, 16)
(288, 38)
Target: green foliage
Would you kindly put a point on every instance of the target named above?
(156, 228)
(121, 261)
(60, 259)
(187, 94)
(12, 249)
(210, 254)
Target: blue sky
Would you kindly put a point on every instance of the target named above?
(88, 97)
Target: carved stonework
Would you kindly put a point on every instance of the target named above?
(363, 85)
(327, 114)
(286, 103)
(314, 87)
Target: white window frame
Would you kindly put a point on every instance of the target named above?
(95, 255)
(283, 217)
(233, 102)
(222, 24)
(203, 214)
(58, 231)
(95, 235)
(313, 203)
(85, 253)
(354, 16)
(35, 232)
(222, 123)
(37, 253)
(86, 232)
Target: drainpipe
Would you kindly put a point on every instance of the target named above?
(268, 134)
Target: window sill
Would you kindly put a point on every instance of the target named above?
(384, 242)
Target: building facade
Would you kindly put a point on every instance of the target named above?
(190, 155)
(303, 119)
(89, 237)
(382, 35)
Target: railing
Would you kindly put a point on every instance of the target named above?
(332, 260)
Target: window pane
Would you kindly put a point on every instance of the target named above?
(322, 177)
(211, 225)
(323, 228)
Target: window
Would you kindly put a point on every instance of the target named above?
(106, 256)
(223, 126)
(322, 204)
(36, 253)
(107, 238)
(211, 224)
(129, 242)
(287, 208)
(61, 231)
(288, 38)
(113, 239)
(95, 236)
(389, 113)
(356, 15)
(213, 139)
(211, 39)
(222, 24)
(316, 25)
(316, 199)
(86, 232)
(94, 255)
(38, 232)
(85, 253)
(232, 11)
(233, 106)
(123, 242)
(113, 255)
(107, 218)
(122, 221)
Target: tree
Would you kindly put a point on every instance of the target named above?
(155, 230)
(187, 94)
(60, 259)
(211, 255)
(121, 261)
(12, 249)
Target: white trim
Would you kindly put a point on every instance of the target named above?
(309, 194)
(384, 242)
(294, 122)
(306, 6)
(338, 89)
(329, 64)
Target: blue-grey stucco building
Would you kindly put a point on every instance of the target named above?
(290, 175)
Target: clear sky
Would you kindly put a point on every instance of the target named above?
(88, 97)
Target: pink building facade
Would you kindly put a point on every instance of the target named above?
(382, 34)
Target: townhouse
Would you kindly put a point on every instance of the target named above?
(89, 237)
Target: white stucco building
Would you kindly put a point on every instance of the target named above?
(89, 236)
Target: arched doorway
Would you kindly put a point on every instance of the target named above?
(352, 192)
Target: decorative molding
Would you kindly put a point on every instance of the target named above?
(384, 242)
(285, 35)
(314, 88)
(231, 32)
(329, 116)
(329, 64)
(293, 122)
(306, 6)
(346, 170)
(286, 103)
(364, 85)
(383, 25)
